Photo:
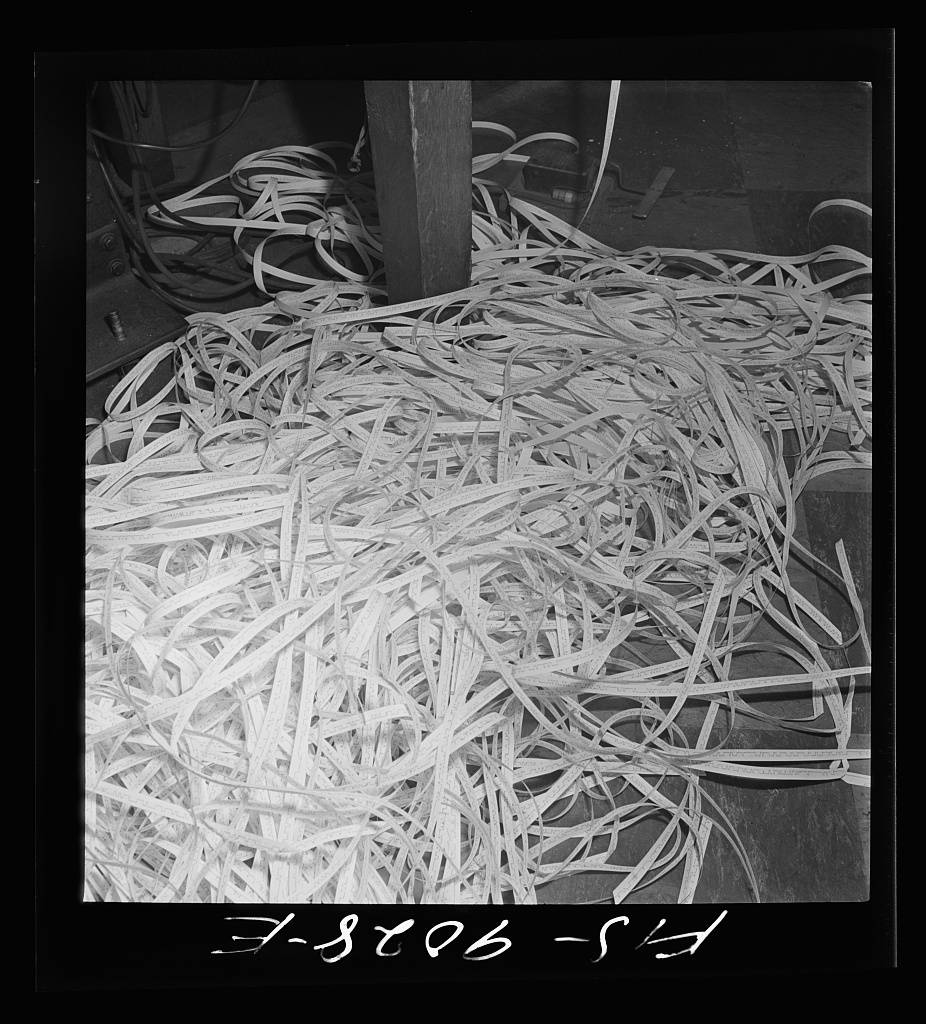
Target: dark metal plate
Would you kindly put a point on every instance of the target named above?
(145, 319)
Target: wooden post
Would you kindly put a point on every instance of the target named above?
(421, 139)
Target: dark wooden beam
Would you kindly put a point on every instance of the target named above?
(421, 139)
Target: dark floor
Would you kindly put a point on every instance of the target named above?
(751, 160)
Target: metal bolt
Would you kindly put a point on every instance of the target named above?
(116, 267)
(107, 242)
(114, 323)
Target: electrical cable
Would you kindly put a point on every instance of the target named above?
(159, 203)
(200, 255)
(191, 146)
(171, 300)
(189, 253)
(158, 289)
(122, 103)
(206, 266)
(139, 170)
(138, 244)
(121, 216)
(234, 273)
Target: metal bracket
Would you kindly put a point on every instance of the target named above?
(106, 255)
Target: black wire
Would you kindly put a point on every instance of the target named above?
(131, 230)
(139, 240)
(161, 276)
(139, 247)
(167, 296)
(158, 290)
(192, 145)
(223, 293)
(165, 192)
(175, 217)
(121, 215)
(149, 183)
(200, 245)
(188, 290)
(178, 260)
(207, 266)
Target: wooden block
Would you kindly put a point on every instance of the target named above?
(421, 138)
